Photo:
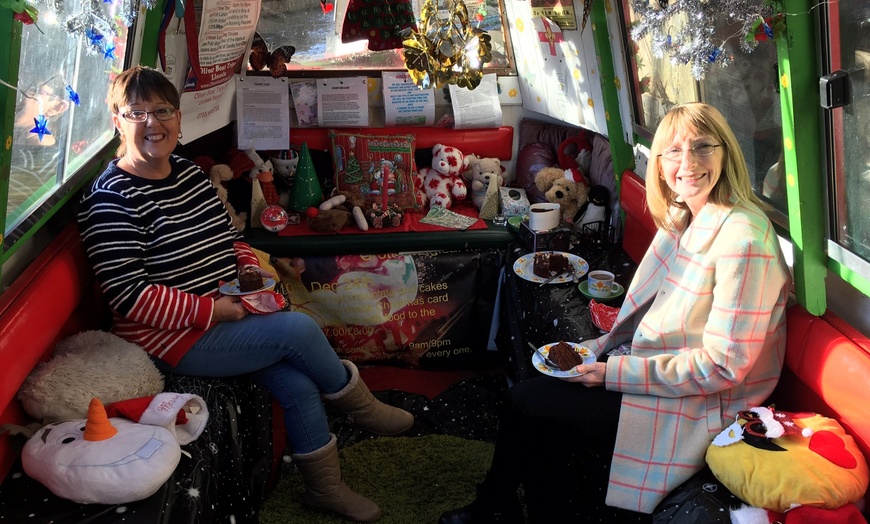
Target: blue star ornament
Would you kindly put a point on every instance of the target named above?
(41, 128)
(109, 51)
(93, 36)
(72, 95)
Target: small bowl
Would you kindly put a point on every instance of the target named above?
(515, 222)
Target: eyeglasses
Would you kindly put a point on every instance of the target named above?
(137, 116)
(675, 154)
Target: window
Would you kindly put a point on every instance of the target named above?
(850, 127)
(50, 60)
(745, 91)
(316, 35)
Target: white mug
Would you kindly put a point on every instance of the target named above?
(544, 216)
(600, 283)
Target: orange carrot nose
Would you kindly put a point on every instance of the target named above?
(98, 426)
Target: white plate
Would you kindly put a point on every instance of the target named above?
(538, 362)
(232, 287)
(523, 268)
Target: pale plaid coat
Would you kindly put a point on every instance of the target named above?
(705, 315)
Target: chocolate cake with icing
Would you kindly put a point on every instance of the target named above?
(250, 279)
(564, 356)
(548, 264)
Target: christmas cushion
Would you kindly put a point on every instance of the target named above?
(777, 460)
(379, 168)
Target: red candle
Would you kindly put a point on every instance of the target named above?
(385, 175)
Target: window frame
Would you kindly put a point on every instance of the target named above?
(88, 168)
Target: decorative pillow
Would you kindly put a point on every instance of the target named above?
(776, 460)
(372, 165)
(86, 365)
(533, 158)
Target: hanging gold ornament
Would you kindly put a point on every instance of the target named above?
(446, 51)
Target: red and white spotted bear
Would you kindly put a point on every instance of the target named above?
(442, 184)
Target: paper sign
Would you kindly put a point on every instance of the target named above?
(262, 112)
(216, 52)
(405, 104)
(479, 107)
(343, 102)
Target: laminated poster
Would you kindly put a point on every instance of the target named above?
(405, 104)
(343, 102)
(262, 112)
(479, 107)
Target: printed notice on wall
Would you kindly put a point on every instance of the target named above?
(262, 112)
(216, 53)
(343, 102)
(479, 107)
(405, 104)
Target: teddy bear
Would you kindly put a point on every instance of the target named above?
(477, 174)
(566, 187)
(442, 184)
(218, 175)
(336, 212)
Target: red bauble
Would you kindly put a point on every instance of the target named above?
(274, 218)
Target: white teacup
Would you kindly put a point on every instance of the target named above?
(600, 283)
(544, 216)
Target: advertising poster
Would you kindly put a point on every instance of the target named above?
(430, 310)
(216, 53)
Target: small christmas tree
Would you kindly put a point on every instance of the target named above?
(306, 188)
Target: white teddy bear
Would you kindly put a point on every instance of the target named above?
(479, 172)
(442, 184)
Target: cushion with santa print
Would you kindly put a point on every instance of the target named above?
(379, 168)
(777, 460)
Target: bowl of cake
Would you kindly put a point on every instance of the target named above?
(565, 355)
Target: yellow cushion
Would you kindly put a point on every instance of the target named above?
(820, 465)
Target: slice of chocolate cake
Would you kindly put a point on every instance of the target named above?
(547, 264)
(564, 356)
(250, 279)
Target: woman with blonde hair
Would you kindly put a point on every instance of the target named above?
(700, 336)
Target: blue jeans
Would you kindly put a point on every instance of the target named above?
(288, 354)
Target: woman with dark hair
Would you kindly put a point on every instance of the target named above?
(700, 337)
(160, 241)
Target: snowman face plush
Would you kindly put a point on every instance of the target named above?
(129, 466)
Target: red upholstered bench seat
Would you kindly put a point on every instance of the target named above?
(488, 142)
(57, 296)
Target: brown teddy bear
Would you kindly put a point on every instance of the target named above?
(218, 174)
(343, 208)
(566, 187)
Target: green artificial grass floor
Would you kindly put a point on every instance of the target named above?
(412, 479)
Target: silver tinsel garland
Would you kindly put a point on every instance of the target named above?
(94, 19)
(696, 42)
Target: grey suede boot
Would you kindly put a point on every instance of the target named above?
(326, 490)
(369, 413)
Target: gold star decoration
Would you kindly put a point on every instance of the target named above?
(446, 51)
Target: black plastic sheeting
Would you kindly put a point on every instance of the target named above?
(538, 314)
(224, 478)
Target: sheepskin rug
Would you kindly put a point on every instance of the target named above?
(86, 365)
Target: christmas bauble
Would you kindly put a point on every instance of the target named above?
(274, 218)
